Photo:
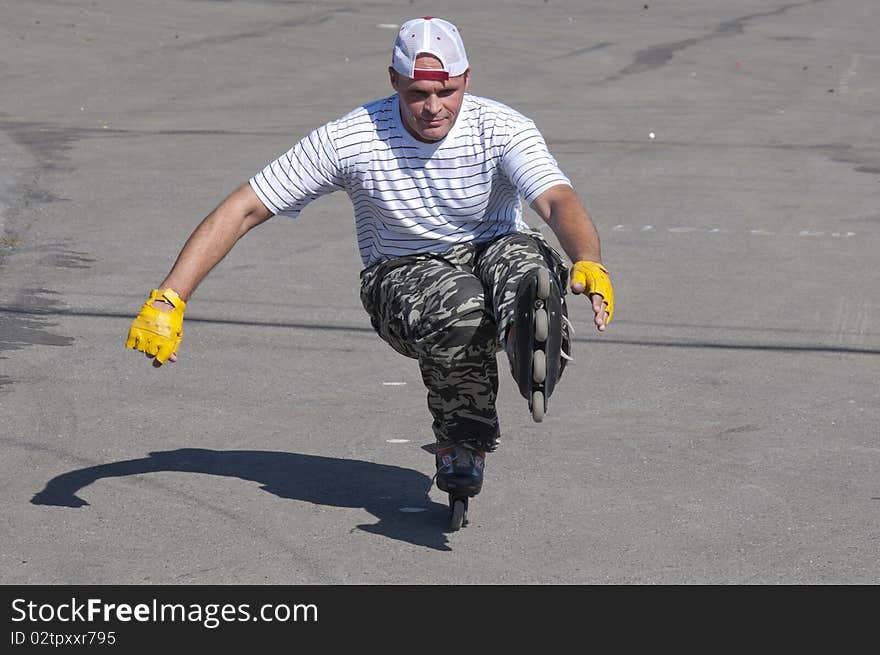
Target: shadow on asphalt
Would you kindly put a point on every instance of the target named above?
(380, 489)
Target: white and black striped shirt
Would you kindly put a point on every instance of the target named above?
(411, 196)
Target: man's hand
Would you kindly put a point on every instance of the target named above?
(158, 329)
(592, 278)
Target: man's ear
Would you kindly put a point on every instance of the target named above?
(393, 77)
(467, 79)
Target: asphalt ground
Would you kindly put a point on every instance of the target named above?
(724, 430)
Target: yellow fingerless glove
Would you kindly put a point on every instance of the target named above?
(595, 279)
(157, 332)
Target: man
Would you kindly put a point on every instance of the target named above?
(451, 273)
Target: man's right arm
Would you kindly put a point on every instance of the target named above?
(212, 240)
(156, 331)
(308, 170)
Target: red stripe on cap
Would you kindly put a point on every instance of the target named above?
(427, 17)
(430, 74)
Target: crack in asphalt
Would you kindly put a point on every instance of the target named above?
(661, 54)
(654, 343)
(223, 39)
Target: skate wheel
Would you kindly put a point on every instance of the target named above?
(459, 510)
(542, 325)
(538, 406)
(539, 367)
(542, 289)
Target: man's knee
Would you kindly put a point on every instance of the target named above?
(458, 316)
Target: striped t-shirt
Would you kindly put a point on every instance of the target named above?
(409, 196)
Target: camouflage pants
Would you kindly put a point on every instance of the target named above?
(450, 311)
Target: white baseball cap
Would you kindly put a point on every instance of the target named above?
(432, 36)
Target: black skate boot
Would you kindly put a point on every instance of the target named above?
(538, 341)
(460, 474)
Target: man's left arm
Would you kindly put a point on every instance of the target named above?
(563, 211)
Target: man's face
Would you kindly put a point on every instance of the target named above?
(428, 108)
